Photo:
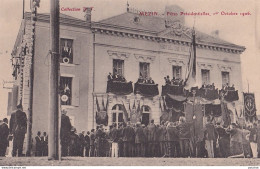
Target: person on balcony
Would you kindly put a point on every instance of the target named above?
(150, 81)
(172, 81)
(109, 77)
(140, 80)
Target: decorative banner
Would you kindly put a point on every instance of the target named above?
(250, 108)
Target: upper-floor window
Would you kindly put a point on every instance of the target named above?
(144, 69)
(66, 50)
(66, 90)
(118, 67)
(176, 72)
(205, 76)
(225, 78)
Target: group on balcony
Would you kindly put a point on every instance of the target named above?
(227, 87)
(174, 81)
(116, 78)
(145, 80)
(208, 86)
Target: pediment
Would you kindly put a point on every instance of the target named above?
(176, 30)
(178, 34)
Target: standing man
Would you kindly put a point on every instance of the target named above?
(38, 148)
(184, 137)
(151, 138)
(87, 145)
(173, 140)
(139, 139)
(114, 136)
(210, 134)
(92, 143)
(44, 139)
(128, 139)
(18, 129)
(4, 132)
(65, 133)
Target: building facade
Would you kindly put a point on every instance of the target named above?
(129, 44)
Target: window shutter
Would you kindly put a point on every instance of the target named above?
(76, 52)
(75, 91)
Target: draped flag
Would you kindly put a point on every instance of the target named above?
(125, 112)
(250, 108)
(190, 80)
(164, 114)
(101, 114)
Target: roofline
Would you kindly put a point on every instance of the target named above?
(152, 34)
(19, 37)
(43, 17)
(72, 21)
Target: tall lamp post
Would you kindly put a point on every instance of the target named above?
(193, 91)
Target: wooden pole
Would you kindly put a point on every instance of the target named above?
(54, 82)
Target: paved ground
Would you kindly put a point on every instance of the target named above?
(103, 161)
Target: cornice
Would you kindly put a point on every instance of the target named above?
(152, 36)
(114, 30)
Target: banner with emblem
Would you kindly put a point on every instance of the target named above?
(249, 105)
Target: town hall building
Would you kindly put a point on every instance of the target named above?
(131, 47)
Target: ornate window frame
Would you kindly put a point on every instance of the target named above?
(224, 68)
(204, 65)
(176, 62)
(118, 55)
(144, 58)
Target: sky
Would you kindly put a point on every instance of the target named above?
(240, 30)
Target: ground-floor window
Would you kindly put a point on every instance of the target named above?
(117, 114)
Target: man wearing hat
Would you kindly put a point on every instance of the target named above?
(19, 128)
(65, 132)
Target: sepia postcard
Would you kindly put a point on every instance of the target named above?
(129, 83)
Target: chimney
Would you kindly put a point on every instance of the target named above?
(87, 11)
(215, 33)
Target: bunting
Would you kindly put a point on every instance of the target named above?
(125, 112)
(133, 114)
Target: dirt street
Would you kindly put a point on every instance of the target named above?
(103, 161)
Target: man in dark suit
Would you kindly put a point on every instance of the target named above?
(4, 132)
(151, 138)
(139, 139)
(128, 140)
(38, 147)
(44, 139)
(87, 145)
(92, 143)
(18, 129)
(65, 133)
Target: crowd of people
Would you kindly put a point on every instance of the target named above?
(169, 139)
(174, 81)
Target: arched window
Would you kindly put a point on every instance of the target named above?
(146, 114)
(117, 114)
